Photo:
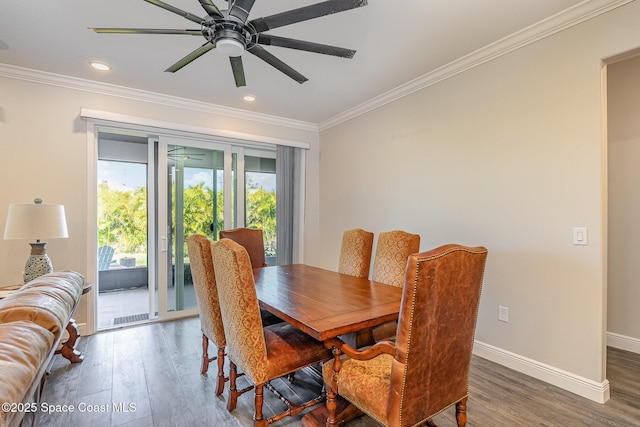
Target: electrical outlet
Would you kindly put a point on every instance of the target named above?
(503, 313)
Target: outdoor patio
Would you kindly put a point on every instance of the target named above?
(127, 306)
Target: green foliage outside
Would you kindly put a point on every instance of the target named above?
(261, 213)
(122, 217)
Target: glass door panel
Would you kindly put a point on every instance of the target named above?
(124, 259)
(195, 204)
(260, 200)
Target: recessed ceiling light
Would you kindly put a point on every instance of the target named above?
(100, 66)
(249, 98)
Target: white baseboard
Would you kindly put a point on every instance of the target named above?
(592, 390)
(623, 342)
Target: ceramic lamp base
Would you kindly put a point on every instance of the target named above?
(38, 263)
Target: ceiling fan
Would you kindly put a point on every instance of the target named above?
(181, 154)
(230, 32)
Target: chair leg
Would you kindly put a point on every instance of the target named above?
(221, 377)
(332, 389)
(205, 354)
(331, 407)
(461, 412)
(233, 391)
(258, 419)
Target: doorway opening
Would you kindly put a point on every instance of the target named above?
(124, 295)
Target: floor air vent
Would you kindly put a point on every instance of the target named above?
(130, 319)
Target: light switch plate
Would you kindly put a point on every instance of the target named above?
(580, 236)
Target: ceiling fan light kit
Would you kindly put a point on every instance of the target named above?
(231, 33)
(230, 47)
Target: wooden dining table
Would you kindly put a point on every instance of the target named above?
(326, 304)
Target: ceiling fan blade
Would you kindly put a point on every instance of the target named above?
(190, 16)
(275, 62)
(240, 9)
(305, 13)
(145, 31)
(191, 57)
(267, 39)
(238, 70)
(211, 9)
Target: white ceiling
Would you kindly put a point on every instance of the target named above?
(396, 42)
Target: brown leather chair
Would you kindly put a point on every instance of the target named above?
(204, 283)
(263, 354)
(253, 242)
(426, 370)
(355, 253)
(392, 250)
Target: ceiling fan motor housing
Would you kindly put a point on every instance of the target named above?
(230, 37)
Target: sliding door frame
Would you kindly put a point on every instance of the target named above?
(98, 121)
(164, 229)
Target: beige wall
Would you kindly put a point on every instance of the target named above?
(624, 199)
(509, 155)
(44, 154)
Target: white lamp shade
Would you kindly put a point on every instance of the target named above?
(35, 221)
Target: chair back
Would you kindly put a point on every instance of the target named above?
(105, 256)
(240, 310)
(253, 242)
(436, 328)
(204, 284)
(392, 251)
(355, 253)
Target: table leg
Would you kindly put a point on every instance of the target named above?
(359, 339)
(68, 349)
(345, 412)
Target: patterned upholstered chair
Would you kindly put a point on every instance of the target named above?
(392, 251)
(355, 253)
(262, 354)
(204, 283)
(427, 369)
(253, 242)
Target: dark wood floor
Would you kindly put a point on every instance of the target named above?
(150, 376)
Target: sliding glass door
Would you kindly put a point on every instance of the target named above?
(195, 181)
(153, 192)
(125, 255)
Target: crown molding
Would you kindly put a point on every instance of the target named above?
(581, 12)
(577, 14)
(43, 77)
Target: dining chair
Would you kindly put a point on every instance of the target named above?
(204, 284)
(355, 253)
(263, 354)
(392, 250)
(252, 240)
(426, 370)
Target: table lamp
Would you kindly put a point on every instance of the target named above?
(36, 221)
